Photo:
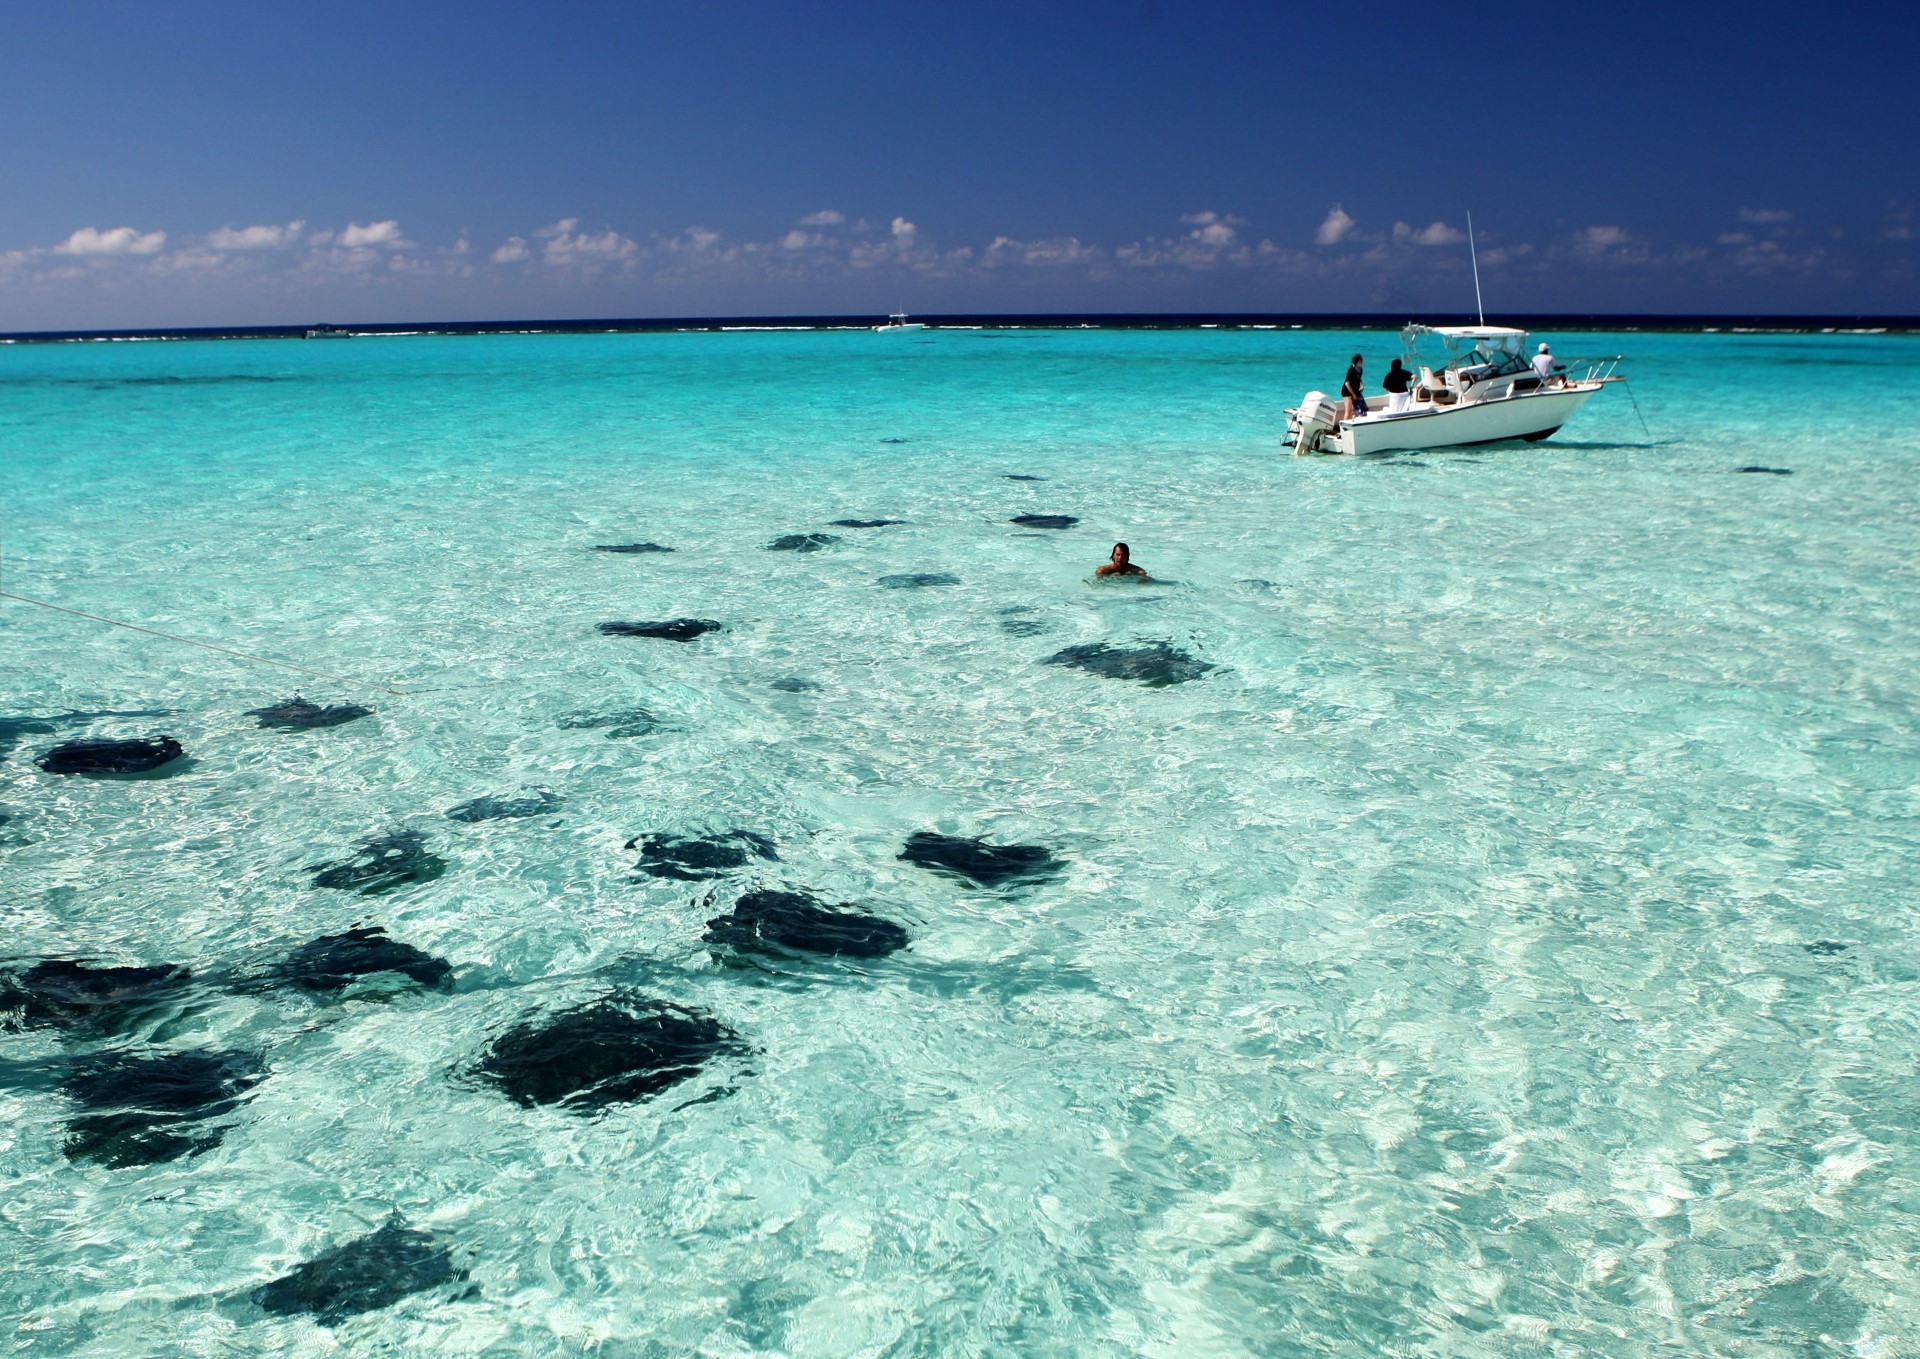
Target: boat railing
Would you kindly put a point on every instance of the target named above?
(1590, 370)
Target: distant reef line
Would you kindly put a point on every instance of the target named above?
(1540, 321)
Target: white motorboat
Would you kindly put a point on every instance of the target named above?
(1472, 385)
(898, 322)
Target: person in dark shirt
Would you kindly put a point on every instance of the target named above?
(1352, 403)
(1396, 383)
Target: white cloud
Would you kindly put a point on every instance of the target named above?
(802, 240)
(385, 233)
(512, 251)
(1600, 238)
(119, 241)
(255, 237)
(1052, 253)
(1435, 233)
(1765, 215)
(1735, 238)
(904, 231)
(567, 245)
(1337, 227)
(824, 217)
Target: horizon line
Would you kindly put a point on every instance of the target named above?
(1784, 322)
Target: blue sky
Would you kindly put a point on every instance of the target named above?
(199, 163)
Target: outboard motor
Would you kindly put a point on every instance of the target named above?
(1314, 416)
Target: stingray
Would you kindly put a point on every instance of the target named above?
(631, 549)
(362, 1275)
(1768, 471)
(670, 630)
(867, 523)
(1044, 521)
(382, 864)
(1154, 664)
(96, 756)
(619, 726)
(980, 863)
(802, 542)
(333, 962)
(783, 923)
(918, 580)
(62, 993)
(618, 1049)
(699, 858)
(140, 1110)
(296, 714)
(537, 802)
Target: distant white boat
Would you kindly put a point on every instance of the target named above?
(325, 333)
(1479, 388)
(898, 322)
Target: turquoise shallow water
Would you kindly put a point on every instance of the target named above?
(1433, 977)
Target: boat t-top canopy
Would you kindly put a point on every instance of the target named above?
(1497, 334)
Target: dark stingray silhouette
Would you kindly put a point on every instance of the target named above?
(1044, 521)
(1154, 664)
(536, 802)
(918, 580)
(697, 858)
(1022, 476)
(619, 726)
(618, 1049)
(867, 523)
(12, 729)
(334, 962)
(785, 923)
(296, 714)
(802, 542)
(363, 1275)
(794, 684)
(670, 630)
(980, 863)
(96, 756)
(1768, 471)
(65, 993)
(630, 549)
(137, 1110)
(381, 865)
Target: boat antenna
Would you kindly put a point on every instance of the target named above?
(1474, 254)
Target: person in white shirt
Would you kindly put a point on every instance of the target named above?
(1543, 364)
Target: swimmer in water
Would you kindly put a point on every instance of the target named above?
(1121, 565)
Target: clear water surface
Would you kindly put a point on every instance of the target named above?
(1507, 950)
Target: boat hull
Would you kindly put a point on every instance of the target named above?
(1530, 417)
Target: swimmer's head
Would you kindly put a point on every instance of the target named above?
(1120, 554)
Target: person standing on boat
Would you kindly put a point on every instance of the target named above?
(1543, 364)
(1396, 384)
(1352, 402)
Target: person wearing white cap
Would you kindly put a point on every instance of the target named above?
(1543, 364)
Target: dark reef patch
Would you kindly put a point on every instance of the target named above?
(1825, 948)
(802, 542)
(1154, 664)
(1023, 627)
(794, 684)
(536, 802)
(382, 864)
(619, 726)
(94, 756)
(867, 523)
(65, 994)
(1767, 471)
(670, 630)
(362, 1275)
(918, 580)
(783, 923)
(980, 863)
(620, 1048)
(296, 714)
(1044, 521)
(334, 962)
(630, 549)
(141, 1110)
(698, 858)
